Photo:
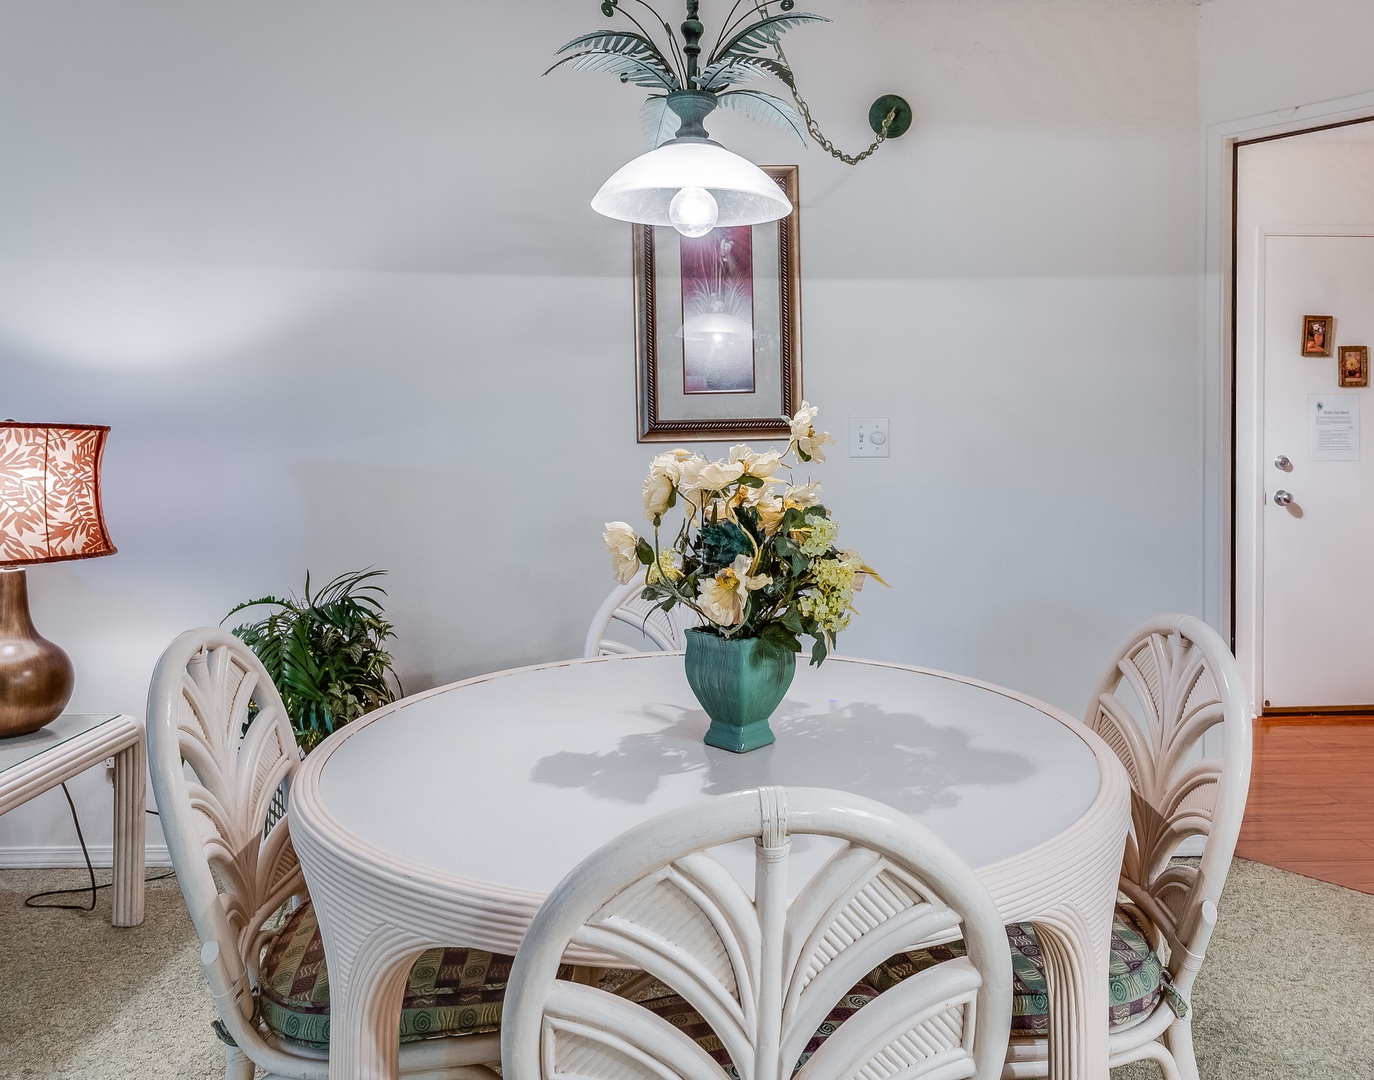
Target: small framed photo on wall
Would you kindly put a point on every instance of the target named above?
(1317, 334)
(1354, 365)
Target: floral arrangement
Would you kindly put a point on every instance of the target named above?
(755, 555)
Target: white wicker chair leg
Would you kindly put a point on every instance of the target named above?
(1168, 1068)
(1179, 1040)
(237, 1064)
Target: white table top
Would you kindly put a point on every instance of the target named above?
(513, 778)
(21, 748)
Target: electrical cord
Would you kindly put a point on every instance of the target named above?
(85, 854)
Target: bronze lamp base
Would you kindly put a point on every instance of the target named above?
(36, 677)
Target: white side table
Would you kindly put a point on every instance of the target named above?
(73, 743)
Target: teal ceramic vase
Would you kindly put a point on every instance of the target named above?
(739, 682)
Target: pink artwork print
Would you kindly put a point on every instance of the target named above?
(718, 312)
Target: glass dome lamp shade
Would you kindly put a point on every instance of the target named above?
(643, 190)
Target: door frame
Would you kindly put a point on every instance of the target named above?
(1218, 390)
(1248, 513)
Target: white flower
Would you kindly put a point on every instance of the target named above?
(761, 465)
(657, 493)
(665, 473)
(620, 541)
(809, 441)
(670, 464)
(803, 496)
(801, 423)
(689, 476)
(810, 445)
(723, 597)
(718, 475)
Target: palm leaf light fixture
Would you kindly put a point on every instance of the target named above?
(688, 180)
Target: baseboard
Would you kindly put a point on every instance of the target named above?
(1191, 848)
(59, 856)
(1322, 715)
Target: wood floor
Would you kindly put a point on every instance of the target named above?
(1311, 805)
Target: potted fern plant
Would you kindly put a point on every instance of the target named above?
(326, 652)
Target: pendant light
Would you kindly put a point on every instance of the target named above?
(692, 182)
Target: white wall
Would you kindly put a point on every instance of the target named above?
(1260, 56)
(328, 271)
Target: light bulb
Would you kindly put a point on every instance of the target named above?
(693, 211)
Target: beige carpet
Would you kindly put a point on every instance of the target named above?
(1286, 993)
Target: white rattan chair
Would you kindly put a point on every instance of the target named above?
(231, 846)
(1172, 681)
(650, 628)
(762, 974)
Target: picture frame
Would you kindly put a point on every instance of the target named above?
(1318, 332)
(1353, 365)
(718, 328)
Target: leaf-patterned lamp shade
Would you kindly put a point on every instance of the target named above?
(50, 493)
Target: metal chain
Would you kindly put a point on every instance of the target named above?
(825, 144)
(814, 129)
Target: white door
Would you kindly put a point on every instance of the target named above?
(1317, 465)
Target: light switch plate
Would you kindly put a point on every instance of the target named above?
(868, 436)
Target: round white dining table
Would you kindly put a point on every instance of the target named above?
(447, 817)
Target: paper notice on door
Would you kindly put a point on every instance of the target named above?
(1333, 427)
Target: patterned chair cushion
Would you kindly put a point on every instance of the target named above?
(450, 991)
(1136, 979)
(687, 1020)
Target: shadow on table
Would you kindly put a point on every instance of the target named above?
(897, 758)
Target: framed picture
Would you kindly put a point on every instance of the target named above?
(718, 329)
(1317, 335)
(1354, 365)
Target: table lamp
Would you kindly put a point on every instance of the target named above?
(49, 512)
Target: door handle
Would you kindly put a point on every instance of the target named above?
(1282, 498)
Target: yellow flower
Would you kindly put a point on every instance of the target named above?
(620, 541)
(771, 509)
(722, 598)
(816, 537)
(773, 506)
(666, 570)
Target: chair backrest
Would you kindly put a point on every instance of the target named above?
(653, 628)
(761, 973)
(231, 850)
(1172, 682)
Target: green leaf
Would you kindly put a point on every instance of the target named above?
(658, 122)
(777, 637)
(618, 41)
(733, 69)
(644, 552)
(818, 652)
(766, 109)
(326, 653)
(630, 69)
(750, 481)
(758, 36)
